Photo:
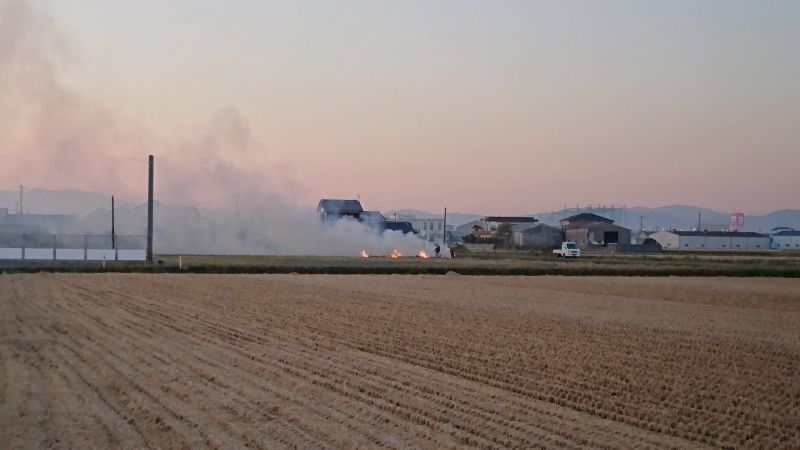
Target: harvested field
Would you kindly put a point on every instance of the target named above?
(272, 361)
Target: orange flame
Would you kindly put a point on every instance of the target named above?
(364, 254)
(422, 254)
(395, 254)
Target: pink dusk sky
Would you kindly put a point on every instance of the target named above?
(480, 106)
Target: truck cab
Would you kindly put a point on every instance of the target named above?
(568, 249)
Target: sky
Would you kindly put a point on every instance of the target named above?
(494, 107)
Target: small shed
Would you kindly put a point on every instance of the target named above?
(537, 236)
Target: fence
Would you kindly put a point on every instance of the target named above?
(61, 247)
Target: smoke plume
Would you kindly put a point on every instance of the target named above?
(55, 136)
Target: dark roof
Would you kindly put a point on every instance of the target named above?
(537, 228)
(398, 225)
(787, 233)
(510, 219)
(719, 233)
(374, 216)
(339, 206)
(586, 217)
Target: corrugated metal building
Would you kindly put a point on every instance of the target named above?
(786, 240)
(711, 240)
(538, 235)
(587, 229)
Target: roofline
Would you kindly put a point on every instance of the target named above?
(510, 219)
(752, 234)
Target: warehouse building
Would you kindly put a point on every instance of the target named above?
(711, 240)
(536, 236)
(587, 229)
(786, 240)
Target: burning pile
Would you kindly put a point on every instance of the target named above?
(422, 254)
(395, 254)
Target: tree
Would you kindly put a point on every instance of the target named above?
(504, 234)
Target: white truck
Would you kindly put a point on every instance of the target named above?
(568, 250)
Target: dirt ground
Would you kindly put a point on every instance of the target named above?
(275, 361)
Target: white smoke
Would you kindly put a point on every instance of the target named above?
(59, 138)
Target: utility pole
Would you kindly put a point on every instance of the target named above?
(444, 233)
(150, 210)
(699, 228)
(625, 215)
(20, 200)
(113, 231)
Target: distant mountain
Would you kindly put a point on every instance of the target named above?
(781, 218)
(42, 201)
(677, 216)
(96, 207)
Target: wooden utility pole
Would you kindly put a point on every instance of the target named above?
(113, 231)
(444, 235)
(150, 210)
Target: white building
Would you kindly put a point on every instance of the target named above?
(786, 240)
(711, 240)
(429, 228)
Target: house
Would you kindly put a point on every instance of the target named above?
(536, 235)
(429, 228)
(330, 210)
(483, 234)
(587, 229)
(711, 240)
(786, 240)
